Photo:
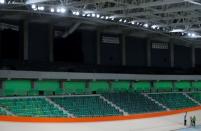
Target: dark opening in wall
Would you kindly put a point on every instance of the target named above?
(68, 49)
(10, 44)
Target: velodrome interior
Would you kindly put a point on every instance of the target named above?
(100, 65)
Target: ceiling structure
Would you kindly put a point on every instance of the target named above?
(176, 18)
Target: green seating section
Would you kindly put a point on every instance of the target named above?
(196, 84)
(47, 86)
(141, 86)
(133, 102)
(86, 106)
(2, 112)
(163, 85)
(173, 100)
(185, 85)
(74, 87)
(121, 86)
(35, 107)
(16, 87)
(196, 96)
(99, 86)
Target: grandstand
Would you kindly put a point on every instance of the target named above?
(100, 65)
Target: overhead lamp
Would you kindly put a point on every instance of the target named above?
(154, 26)
(177, 30)
(58, 10)
(106, 17)
(32, 6)
(132, 22)
(2, 1)
(63, 10)
(98, 16)
(93, 15)
(120, 20)
(146, 25)
(88, 15)
(125, 21)
(52, 10)
(83, 14)
(41, 8)
(102, 17)
(193, 35)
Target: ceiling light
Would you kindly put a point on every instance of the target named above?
(106, 17)
(102, 17)
(120, 20)
(52, 10)
(125, 21)
(88, 15)
(77, 13)
(146, 25)
(63, 10)
(2, 1)
(93, 15)
(132, 22)
(193, 35)
(177, 30)
(83, 14)
(32, 6)
(98, 16)
(41, 8)
(58, 10)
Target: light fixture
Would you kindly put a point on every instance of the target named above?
(2, 1)
(83, 14)
(120, 20)
(146, 25)
(102, 17)
(193, 35)
(77, 13)
(125, 21)
(93, 15)
(63, 10)
(132, 22)
(189, 34)
(154, 26)
(41, 8)
(106, 17)
(32, 6)
(177, 30)
(52, 10)
(58, 10)
(88, 15)
(98, 16)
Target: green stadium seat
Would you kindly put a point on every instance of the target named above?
(16, 87)
(196, 85)
(86, 106)
(34, 107)
(163, 85)
(133, 103)
(141, 86)
(99, 86)
(74, 87)
(121, 86)
(173, 100)
(182, 85)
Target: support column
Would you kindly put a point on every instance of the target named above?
(51, 43)
(98, 47)
(26, 40)
(124, 50)
(193, 56)
(149, 53)
(172, 54)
